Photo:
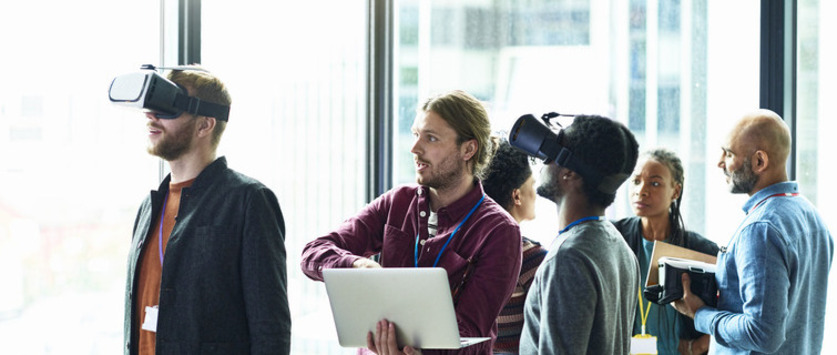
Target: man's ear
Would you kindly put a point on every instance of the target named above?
(571, 178)
(206, 125)
(469, 149)
(567, 174)
(760, 162)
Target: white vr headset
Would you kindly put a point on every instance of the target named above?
(151, 92)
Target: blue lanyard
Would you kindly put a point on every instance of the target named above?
(580, 220)
(415, 250)
(162, 217)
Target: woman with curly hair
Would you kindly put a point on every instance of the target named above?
(509, 181)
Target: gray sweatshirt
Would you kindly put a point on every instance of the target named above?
(584, 296)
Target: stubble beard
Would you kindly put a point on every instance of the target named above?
(450, 170)
(550, 191)
(550, 188)
(742, 180)
(173, 146)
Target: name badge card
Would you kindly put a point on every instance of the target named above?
(150, 322)
(643, 344)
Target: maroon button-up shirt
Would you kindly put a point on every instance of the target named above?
(485, 252)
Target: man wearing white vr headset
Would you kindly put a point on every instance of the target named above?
(206, 271)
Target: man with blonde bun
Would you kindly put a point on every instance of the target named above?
(773, 274)
(443, 221)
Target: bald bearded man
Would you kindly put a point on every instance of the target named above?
(773, 275)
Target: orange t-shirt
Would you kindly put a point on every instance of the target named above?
(151, 266)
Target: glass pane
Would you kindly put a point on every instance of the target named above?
(73, 169)
(677, 72)
(297, 124)
(816, 49)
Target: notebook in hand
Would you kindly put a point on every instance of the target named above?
(417, 300)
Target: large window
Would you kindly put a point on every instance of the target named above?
(73, 170)
(297, 123)
(816, 88)
(676, 72)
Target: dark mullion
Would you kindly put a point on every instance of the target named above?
(379, 83)
(778, 65)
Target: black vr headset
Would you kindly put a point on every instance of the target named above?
(538, 140)
(151, 92)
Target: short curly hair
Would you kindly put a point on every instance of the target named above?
(508, 170)
(605, 146)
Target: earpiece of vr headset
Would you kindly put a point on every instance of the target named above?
(538, 140)
(149, 91)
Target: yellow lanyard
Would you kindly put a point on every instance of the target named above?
(643, 315)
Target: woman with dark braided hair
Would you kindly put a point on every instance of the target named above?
(656, 196)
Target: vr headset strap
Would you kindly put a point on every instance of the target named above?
(200, 107)
(606, 184)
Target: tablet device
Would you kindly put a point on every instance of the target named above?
(417, 300)
(701, 274)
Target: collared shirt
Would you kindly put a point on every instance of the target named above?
(772, 279)
(487, 246)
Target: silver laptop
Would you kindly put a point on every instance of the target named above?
(417, 300)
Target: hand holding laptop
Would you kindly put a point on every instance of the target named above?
(365, 263)
(368, 301)
(384, 341)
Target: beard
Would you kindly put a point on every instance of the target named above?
(549, 189)
(173, 144)
(447, 175)
(742, 180)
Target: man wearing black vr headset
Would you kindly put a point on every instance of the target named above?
(206, 271)
(583, 299)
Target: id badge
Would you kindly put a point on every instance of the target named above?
(150, 322)
(643, 344)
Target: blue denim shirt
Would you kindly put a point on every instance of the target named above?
(772, 279)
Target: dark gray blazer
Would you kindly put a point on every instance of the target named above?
(224, 282)
(631, 229)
